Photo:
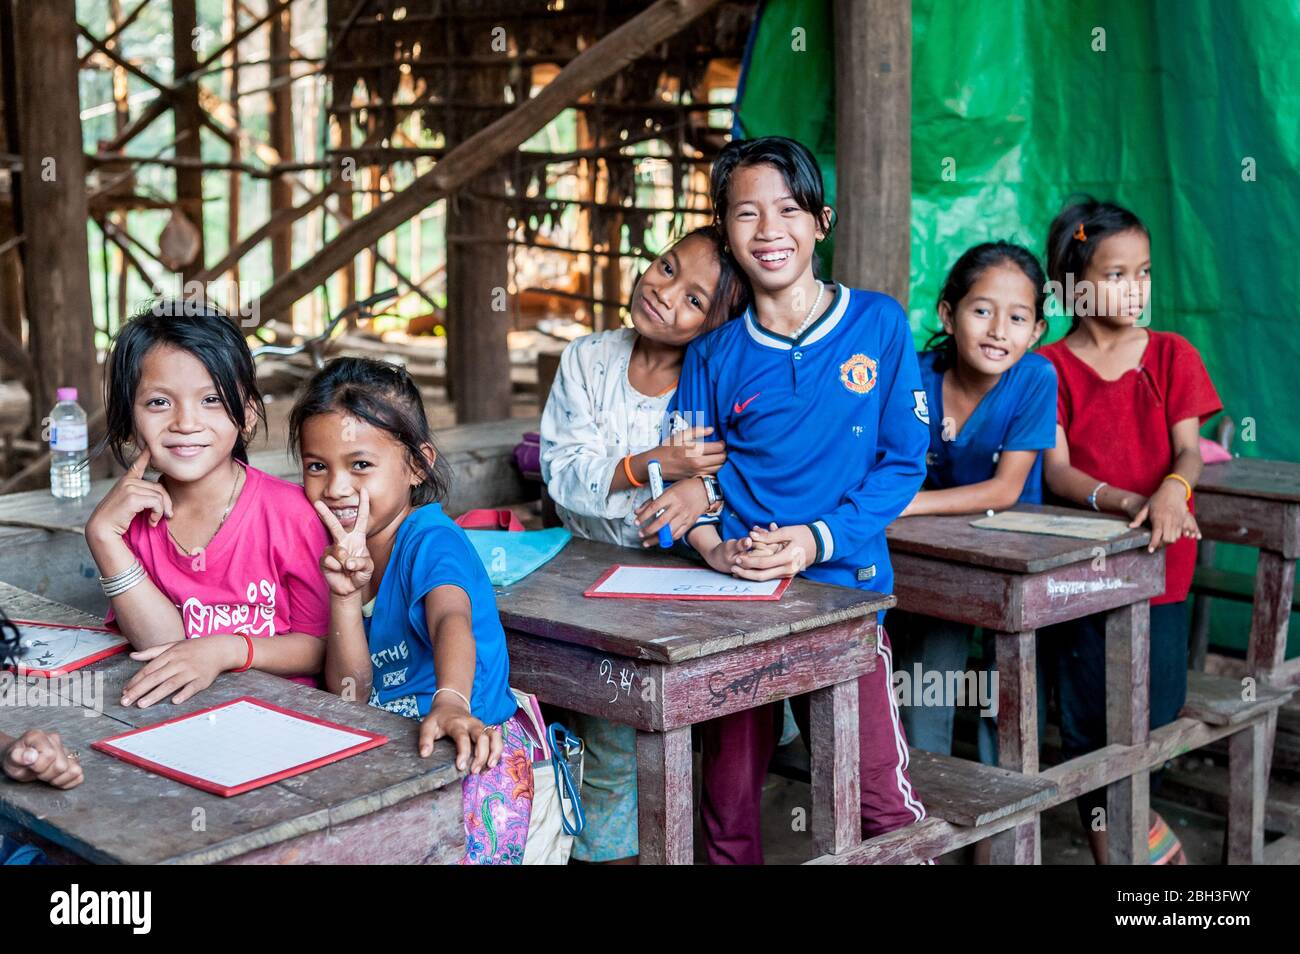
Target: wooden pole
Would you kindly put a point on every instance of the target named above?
(478, 315)
(485, 148)
(188, 115)
(52, 190)
(280, 121)
(121, 116)
(873, 144)
(478, 312)
(11, 287)
(233, 198)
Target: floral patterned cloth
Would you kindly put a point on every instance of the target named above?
(498, 803)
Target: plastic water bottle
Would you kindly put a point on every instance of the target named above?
(69, 477)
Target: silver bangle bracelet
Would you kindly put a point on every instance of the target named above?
(1092, 497)
(119, 583)
(454, 692)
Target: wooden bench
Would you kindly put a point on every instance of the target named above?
(957, 790)
(972, 794)
(1220, 700)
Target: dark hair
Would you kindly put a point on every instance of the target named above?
(385, 397)
(11, 647)
(790, 158)
(732, 293)
(966, 271)
(1069, 254)
(204, 331)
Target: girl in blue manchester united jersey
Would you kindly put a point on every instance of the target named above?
(817, 393)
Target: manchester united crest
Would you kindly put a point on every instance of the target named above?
(858, 374)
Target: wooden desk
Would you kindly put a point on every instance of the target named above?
(386, 805)
(1256, 503)
(1015, 583)
(663, 665)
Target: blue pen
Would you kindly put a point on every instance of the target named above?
(657, 491)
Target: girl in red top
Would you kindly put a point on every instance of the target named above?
(1130, 403)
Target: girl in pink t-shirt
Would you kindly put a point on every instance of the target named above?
(214, 554)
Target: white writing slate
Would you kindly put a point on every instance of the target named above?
(57, 650)
(1054, 524)
(238, 746)
(681, 583)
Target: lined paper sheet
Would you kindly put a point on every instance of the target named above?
(55, 650)
(237, 746)
(675, 583)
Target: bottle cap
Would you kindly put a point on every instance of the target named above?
(66, 394)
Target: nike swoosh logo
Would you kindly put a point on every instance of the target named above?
(738, 407)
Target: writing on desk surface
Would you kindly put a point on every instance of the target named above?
(743, 685)
(623, 685)
(1068, 588)
(721, 687)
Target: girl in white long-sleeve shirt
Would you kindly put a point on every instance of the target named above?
(602, 425)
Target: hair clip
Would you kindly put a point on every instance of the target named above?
(1080, 234)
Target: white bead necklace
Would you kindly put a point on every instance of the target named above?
(821, 290)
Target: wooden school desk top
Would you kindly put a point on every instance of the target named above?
(952, 538)
(549, 603)
(124, 814)
(1253, 477)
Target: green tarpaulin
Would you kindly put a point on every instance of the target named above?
(1186, 111)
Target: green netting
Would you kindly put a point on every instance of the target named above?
(1186, 111)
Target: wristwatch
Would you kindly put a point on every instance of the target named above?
(714, 493)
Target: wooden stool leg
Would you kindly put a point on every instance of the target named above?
(836, 775)
(665, 807)
(1247, 787)
(1128, 721)
(1017, 739)
(1269, 620)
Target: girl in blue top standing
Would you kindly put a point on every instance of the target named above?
(816, 392)
(413, 619)
(992, 412)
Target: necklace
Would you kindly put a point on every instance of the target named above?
(230, 505)
(821, 290)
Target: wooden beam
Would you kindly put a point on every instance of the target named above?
(98, 46)
(873, 144)
(480, 152)
(274, 8)
(185, 107)
(113, 34)
(61, 335)
(157, 108)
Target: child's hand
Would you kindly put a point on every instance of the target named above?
(38, 756)
(683, 504)
(725, 555)
(347, 565)
(132, 494)
(684, 455)
(1166, 509)
(183, 667)
(477, 745)
(785, 551)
